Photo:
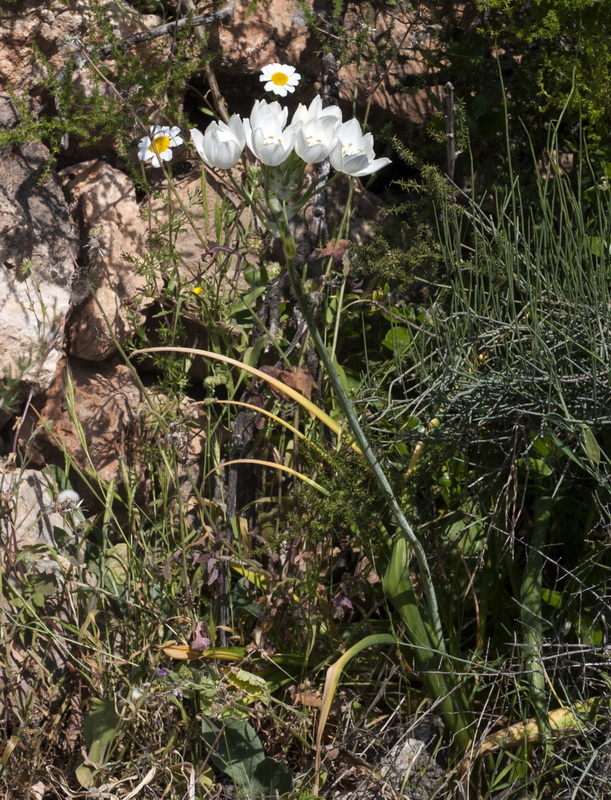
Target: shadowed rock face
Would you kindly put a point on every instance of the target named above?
(103, 201)
(36, 264)
(105, 407)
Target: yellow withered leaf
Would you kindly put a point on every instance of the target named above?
(182, 652)
(253, 685)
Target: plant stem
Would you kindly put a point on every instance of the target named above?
(424, 633)
(532, 609)
(371, 458)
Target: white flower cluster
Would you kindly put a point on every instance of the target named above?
(314, 133)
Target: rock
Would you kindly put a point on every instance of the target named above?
(273, 31)
(381, 83)
(36, 263)
(107, 407)
(407, 769)
(29, 499)
(278, 31)
(103, 201)
(32, 27)
(57, 31)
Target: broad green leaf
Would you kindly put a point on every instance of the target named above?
(236, 750)
(590, 445)
(100, 729)
(273, 778)
(398, 338)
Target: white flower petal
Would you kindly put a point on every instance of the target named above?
(353, 152)
(266, 135)
(222, 144)
(157, 147)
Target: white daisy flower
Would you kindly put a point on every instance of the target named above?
(158, 146)
(280, 79)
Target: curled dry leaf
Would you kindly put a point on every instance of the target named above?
(335, 249)
(299, 379)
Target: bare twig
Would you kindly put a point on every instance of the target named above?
(449, 109)
(219, 100)
(222, 15)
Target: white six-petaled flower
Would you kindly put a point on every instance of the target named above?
(315, 133)
(158, 146)
(315, 130)
(353, 153)
(221, 144)
(279, 79)
(266, 135)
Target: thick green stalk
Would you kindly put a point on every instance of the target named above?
(371, 458)
(433, 666)
(426, 635)
(532, 610)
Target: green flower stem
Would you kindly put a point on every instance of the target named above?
(423, 622)
(425, 635)
(532, 610)
(362, 441)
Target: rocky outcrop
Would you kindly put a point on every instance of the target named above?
(34, 515)
(103, 203)
(93, 415)
(37, 245)
(69, 241)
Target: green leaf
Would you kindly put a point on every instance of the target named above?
(552, 597)
(590, 445)
(398, 338)
(100, 729)
(273, 777)
(253, 685)
(116, 563)
(236, 750)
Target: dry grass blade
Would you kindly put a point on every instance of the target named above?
(334, 674)
(279, 385)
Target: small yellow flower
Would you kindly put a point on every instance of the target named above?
(198, 290)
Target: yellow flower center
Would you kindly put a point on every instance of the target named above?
(280, 78)
(160, 144)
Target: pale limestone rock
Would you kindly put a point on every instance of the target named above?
(57, 31)
(196, 235)
(104, 204)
